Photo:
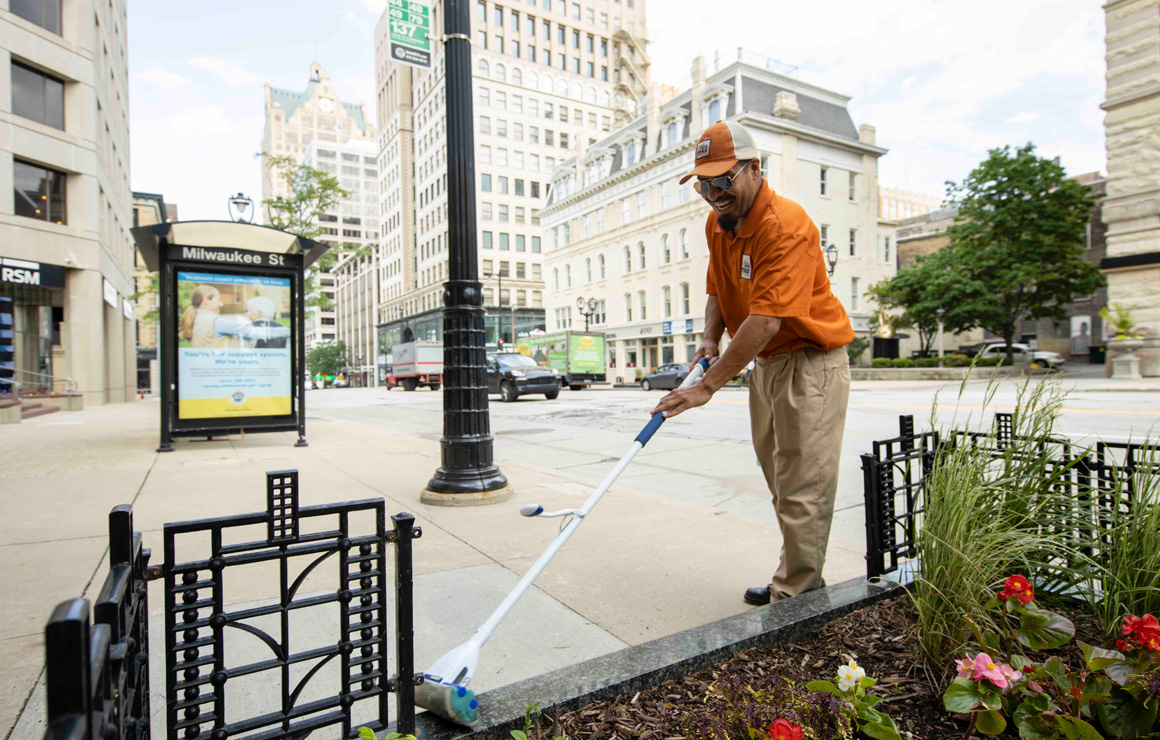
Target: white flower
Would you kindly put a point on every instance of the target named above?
(849, 675)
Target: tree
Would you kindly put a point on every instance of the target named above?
(935, 281)
(312, 193)
(328, 358)
(1018, 241)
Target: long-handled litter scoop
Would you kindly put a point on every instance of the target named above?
(444, 689)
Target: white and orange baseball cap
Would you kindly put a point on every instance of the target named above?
(723, 145)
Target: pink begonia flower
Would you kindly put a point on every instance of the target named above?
(965, 667)
(984, 667)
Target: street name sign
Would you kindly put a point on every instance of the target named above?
(410, 33)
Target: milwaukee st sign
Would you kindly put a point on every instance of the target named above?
(232, 257)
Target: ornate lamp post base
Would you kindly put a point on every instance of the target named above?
(479, 498)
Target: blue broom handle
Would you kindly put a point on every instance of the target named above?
(657, 419)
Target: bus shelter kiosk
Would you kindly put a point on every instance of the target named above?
(231, 333)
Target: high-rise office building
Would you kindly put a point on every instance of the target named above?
(66, 255)
(293, 121)
(550, 77)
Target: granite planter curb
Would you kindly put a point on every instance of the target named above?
(652, 663)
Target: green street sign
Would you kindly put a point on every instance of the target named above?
(410, 33)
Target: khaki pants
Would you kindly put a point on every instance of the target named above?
(797, 411)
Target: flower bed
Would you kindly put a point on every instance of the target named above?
(766, 692)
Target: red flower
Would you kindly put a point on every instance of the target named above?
(783, 729)
(1017, 586)
(1144, 631)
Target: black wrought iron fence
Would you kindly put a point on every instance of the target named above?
(98, 674)
(1101, 480)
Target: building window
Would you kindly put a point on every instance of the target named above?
(556, 277)
(823, 182)
(684, 244)
(485, 183)
(487, 240)
(535, 245)
(853, 187)
(641, 252)
(567, 276)
(853, 242)
(37, 96)
(39, 192)
(886, 249)
(685, 299)
(627, 260)
(44, 13)
(855, 295)
(504, 240)
(643, 300)
(600, 259)
(627, 307)
(641, 204)
(666, 251)
(588, 269)
(714, 112)
(824, 230)
(668, 301)
(521, 243)
(521, 270)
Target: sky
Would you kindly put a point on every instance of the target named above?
(942, 81)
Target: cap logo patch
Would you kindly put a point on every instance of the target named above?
(702, 149)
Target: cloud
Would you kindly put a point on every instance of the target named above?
(375, 6)
(162, 78)
(228, 72)
(1024, 117)
(208, 121)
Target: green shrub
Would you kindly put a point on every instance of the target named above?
(956, 360)
(881, 362)
(733, 709)
(926, 362)
(901, 362)
(856, 348)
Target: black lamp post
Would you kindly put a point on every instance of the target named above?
(239, 205)
(831, 259)
(468, 472)
(591, 305)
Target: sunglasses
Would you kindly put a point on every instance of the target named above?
(723, 183)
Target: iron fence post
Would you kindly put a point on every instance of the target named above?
(875, 562)
(405, 531)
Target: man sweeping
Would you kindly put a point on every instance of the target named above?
(767, 284)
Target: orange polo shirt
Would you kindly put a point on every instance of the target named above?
(774, 267)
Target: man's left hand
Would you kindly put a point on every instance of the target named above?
(683, 399)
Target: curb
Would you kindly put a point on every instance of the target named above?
(652, 663)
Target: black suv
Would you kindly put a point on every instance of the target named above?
(511, 375)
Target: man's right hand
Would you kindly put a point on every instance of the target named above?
(708, 350)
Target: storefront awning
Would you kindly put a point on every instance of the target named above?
(223, 235)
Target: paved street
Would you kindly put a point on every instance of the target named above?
(685, 530)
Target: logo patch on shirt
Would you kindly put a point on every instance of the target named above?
(702, 149)
(746, 268)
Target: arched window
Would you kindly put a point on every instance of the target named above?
(517, 76)
(668, 301)
(627, 259)
(588, 268)
(501, 73)
(685, 299)
(714, 112)
(601, 259)
(561, 87)
(533, 80)
(643, 305)
(619, 100)
(590, 94)
(556, 277)
(640, 251)
(483, 68)
(666, 252)
(605, 99)
(575, 91)
(684, 244)
(627, 307)
(546, 83)
(567, 276)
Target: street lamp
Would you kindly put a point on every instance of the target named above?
(941, 312)
(831, 258)
(239, 205)
(467, 470)
(591, 304)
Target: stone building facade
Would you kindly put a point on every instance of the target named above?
(66, 255)
(1131, 208)
(622, 231)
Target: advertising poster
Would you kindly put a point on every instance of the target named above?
(573, 352)
(233, 346)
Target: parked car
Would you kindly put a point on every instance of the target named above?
(666, 377)
(1023, 354)
(340, 383)
(511, 375)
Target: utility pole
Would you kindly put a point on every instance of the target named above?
(468, 473)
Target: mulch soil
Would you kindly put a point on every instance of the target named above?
(877, 637)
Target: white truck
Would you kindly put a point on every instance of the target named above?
(415, 364)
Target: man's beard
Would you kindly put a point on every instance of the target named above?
(727, 223)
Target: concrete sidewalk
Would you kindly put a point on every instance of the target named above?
(642, 567)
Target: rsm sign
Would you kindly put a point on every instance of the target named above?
(35, 274)
(238, 257)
